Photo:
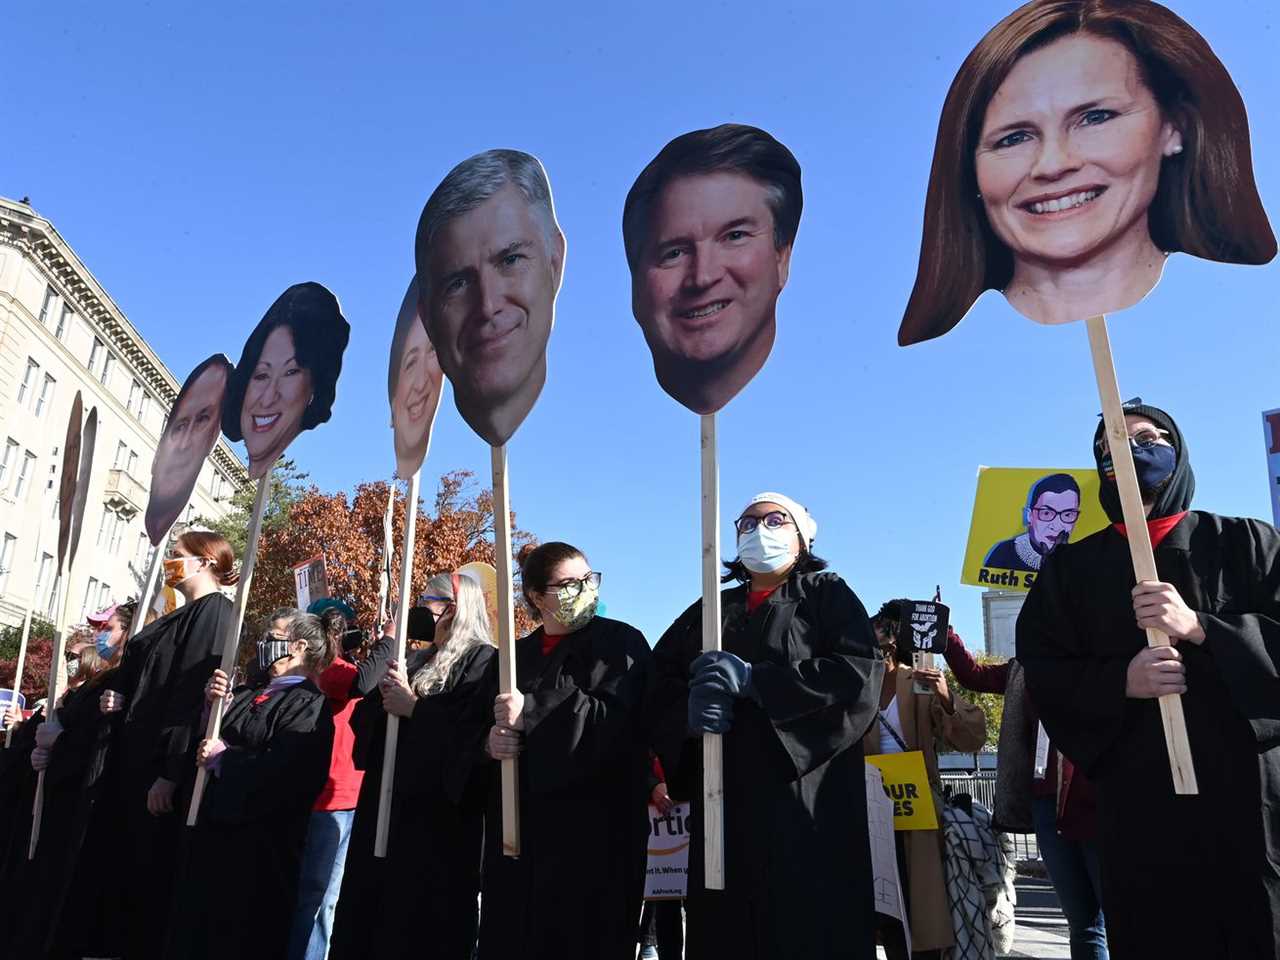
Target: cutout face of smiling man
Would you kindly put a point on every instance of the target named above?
(490, 259)
(188, 438)
(414, 380)
(708, 228)
(287, 376)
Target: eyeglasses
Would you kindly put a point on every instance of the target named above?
(1143, 439)
(575, 586)
(1048, 515)
(772, 520)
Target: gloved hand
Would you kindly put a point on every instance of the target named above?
(724, 671)
(710, 709)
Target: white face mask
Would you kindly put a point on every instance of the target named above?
(767, 551)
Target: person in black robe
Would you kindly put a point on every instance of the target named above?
(792, 692)
(435, 841)
(577, 724)
(237, 883)
(363, 879)
(17, 793)
(160, 690)
(1191, 875)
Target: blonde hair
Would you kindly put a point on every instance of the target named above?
(469, 629)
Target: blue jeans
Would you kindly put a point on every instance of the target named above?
(1073, 868)
(323, 859)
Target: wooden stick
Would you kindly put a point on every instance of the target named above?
(388, 544)
(56, 671)
(144, 598)
(402, 627)
(712, 743)
(506, 642)
(231, 641)
(26, 621)
(1135, 521)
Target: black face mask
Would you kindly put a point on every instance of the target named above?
(1169, 489)
(351, 640)
(422, 624)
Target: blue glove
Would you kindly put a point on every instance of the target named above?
(710, 710)
(722, 671)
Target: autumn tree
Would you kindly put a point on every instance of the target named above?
(347, 532)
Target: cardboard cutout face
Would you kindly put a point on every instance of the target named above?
(88, 439)
(1095, 140)
(70, 473)
(287, 376)
(490, 259)
(414, 382)
(708, 228)
(188, 439)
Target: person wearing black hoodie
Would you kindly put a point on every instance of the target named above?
(1190, 875)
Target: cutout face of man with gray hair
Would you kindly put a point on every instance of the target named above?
(490, 260)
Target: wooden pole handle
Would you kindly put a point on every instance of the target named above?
(509, 772)
(712, 743)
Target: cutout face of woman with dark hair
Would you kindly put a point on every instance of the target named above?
(1068, 163)
(276, 397)
(414, 381)
(188, 438)
(1081, 142)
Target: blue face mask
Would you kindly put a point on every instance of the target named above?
(103, 639)
(1155, 465)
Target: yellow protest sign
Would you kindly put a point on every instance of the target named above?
(1020, 514)
(906, 783)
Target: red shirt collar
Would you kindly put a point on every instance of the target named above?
(1158, 528)
(549, 643)
(757, 597)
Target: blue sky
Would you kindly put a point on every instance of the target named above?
(202, 160)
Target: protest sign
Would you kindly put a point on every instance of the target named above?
(310, 581)
(1271, 430)
(667, 877)
(886, 883)
(923, 630)
(906, 784)
(1020, 515)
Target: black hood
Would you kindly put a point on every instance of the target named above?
(1175, 497)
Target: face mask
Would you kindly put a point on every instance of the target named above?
(175, 570)
(767, 551)
(574, 613)
(103, 639)
(269, 651)
(1155, 465)
(351, 640)
(73, 667)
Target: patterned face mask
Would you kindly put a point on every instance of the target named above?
(576, 611)
(269, 651)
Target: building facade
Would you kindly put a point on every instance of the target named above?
(60, 332)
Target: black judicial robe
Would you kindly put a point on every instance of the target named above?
(17, 791)
(796, 854)
(1182, 875)
(435, 843)
(162, 676)
(575, 890)
(238, 881)
(363, 878)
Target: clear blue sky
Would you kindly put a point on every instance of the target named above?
(202, 159)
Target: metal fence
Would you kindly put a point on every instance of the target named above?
(982, 787)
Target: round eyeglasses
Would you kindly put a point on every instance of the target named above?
(772, 520)
(575, 585)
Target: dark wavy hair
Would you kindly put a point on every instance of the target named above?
(728, 148)
(320, 335)
(536, 564)
(1206, 203)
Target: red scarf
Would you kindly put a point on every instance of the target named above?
(549, 643)
(1159, 528)
(757, 597)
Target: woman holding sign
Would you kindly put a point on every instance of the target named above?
(159, 687)
(268, 765)
(909, 721)
(791, 692)
(576, 721)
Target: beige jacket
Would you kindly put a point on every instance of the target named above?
(924, 724)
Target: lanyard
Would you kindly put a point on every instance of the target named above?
(893, 733)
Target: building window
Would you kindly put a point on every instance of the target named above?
(122, 451)
(95, 354)
(107, 363)
(49, 297)
(132, 469)
(7, 551)
(90, 594)
(46, 394)
(117, 533)
(102, 527)
(24, 474)
(144, 407)
(53, 595)
(104, 595)
(42, 578)
(135, 398)
(26, 389)
(64, 320)
(6, 464)
(141, 558)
